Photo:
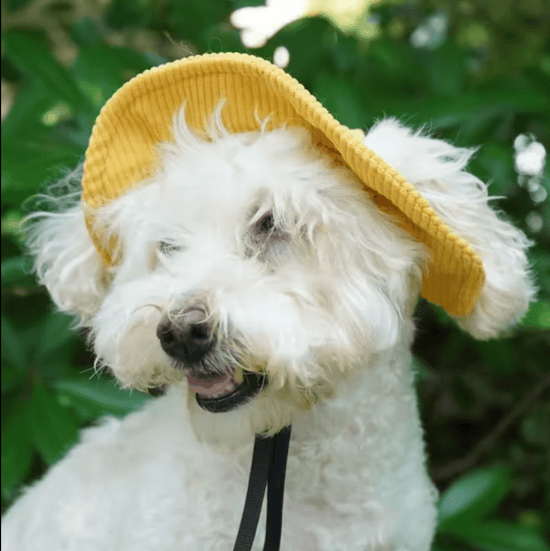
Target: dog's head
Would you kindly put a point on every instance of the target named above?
(250, 265)
(255, 267)
(247, 264)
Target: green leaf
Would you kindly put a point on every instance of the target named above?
(11, 378)
(306, 64)
(486, 104)
(102, 395)
(13, 348)
(494, 163)
(238, 4)
(16, 449)
(394, 65)
(27, 166)
(193, 22)
(502, 536)
(538, 315)
(473, 496)
(11, 227)
(224, 38)
(341, 99)
(14, 5)
(52, 427)
(101, 70)
(16, 271)
(58, 364)
(32, 57)
(498, 355)
(447, 70)
(24, 118)
(535, 427)
(86, 31)
(130, 13)
(55, 332)
(540, 256)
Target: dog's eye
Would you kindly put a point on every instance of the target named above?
(168, 248)
(265, 240)
(266, 224)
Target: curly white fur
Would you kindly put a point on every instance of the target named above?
(437, 170)
(322, 302)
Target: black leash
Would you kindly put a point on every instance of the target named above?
(268, 468)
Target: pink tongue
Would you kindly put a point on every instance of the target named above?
(209, 387)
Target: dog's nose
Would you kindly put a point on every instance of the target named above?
(186, 334)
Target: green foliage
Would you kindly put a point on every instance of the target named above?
(473, 496)
(483, 79)
(538, 315)
(464, 507)
(42, 66)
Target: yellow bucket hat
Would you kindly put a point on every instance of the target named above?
(122, 148)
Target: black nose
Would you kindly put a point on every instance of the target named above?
(186, 334)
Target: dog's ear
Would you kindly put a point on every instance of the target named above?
(66, 260)
(437, 170)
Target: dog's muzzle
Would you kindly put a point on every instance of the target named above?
(189, 337)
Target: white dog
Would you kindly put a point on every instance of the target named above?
(262, 286)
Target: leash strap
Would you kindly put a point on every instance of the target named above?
(276, 490)
(268, 469)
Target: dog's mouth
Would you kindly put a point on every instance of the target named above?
(225, 392)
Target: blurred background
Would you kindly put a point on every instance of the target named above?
(476, 72)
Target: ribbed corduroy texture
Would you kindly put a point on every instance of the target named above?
(121, 152)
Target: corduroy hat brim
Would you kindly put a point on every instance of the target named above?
(122, 153)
